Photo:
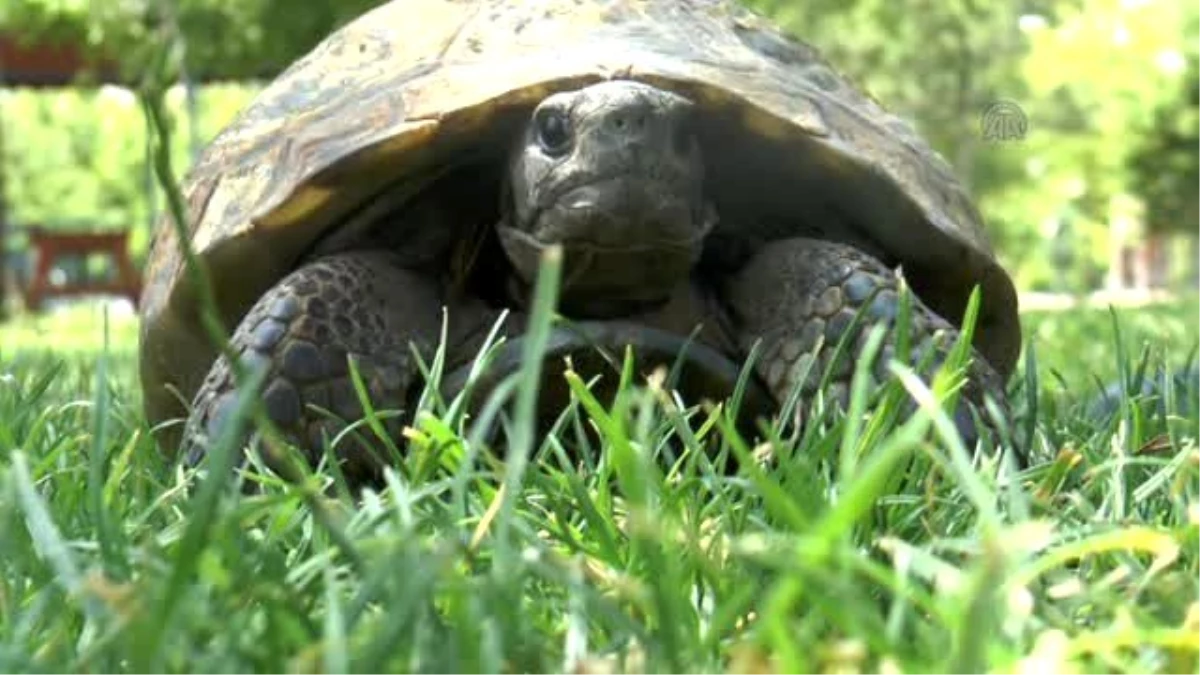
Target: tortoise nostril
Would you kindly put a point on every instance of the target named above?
(629, 122)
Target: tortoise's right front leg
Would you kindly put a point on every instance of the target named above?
(359, 304)
(800, 298)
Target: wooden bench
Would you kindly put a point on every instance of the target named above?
(49, 245)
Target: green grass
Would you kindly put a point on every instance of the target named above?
(639, 554)
(71, 329)
(1076, 346)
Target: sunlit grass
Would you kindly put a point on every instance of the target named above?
(71, 328)
(1077, 344)
(639, 554)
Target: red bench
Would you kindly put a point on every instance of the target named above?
(49, 245)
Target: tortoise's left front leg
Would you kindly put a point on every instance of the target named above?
(800, 297)
(359, 307)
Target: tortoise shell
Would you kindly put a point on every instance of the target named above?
(413, 86)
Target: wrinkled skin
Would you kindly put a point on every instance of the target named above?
(614, 174)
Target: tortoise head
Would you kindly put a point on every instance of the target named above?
(613, 173)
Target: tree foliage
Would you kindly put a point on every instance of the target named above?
(77, 157)
(224, 39)
(1164, 161)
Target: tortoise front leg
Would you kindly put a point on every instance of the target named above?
(795, 292)
(359, 304)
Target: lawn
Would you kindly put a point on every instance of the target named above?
(868, 545)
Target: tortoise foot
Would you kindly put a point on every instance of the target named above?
(801, 297)
(358, 306)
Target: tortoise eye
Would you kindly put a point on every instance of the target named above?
(553, 130)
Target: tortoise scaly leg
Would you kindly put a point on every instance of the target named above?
(359, 304)
(796, 291)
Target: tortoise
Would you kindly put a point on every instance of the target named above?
(702, 173)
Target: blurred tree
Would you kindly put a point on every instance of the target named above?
(3, 234)
(1164, 161)
(1103, 78)
(225, 39)
(1167, 168)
